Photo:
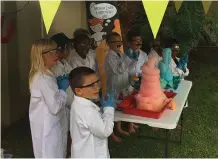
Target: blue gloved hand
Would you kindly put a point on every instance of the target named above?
(135, 55)
(63, 82)
(110, 101)
(129, 53)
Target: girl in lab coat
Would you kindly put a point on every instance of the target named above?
(61, 69)
(47, 111)
(88, 126)
(117, 68)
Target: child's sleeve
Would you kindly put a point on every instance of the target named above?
(186, 72)
(54, 98)
(102, 126)
(119, 66)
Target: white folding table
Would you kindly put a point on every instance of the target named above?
(169, 119)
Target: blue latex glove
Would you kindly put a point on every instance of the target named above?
(110, 101)
(129, 53)
(183, 61)
(132, 54)
(135, 55)
(63, 82)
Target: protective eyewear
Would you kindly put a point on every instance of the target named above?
(56, 51)
(138, 44)
(94, 84)
(85, 45)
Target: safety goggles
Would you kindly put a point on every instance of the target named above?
(137, 42)
(53, 51)
(94, 84)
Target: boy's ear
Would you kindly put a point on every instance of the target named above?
(78, 91)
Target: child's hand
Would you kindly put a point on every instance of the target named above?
(62, 82)
(110, 101)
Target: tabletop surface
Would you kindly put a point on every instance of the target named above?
(169, 118)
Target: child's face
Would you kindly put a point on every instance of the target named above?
(115, 43)
(175, 50)
(83, 48)
(50, 58)
(90, 88)
(64, 54)
(136, 43)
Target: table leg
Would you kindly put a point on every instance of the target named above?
(166, 143)
(181, 130)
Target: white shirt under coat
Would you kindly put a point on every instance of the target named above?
(90, 129)
(48, 117)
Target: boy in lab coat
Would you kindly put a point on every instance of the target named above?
(135, 43)
(62, 68)
(117, 68)
(82, 55)
(88, 126)
(174, 45)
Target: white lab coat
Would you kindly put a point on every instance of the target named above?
(176, 71)
(90, 129)
(48, 118)
(74, 60)
(60, 69)
(154, 53)
(117, 70)
(137, 69)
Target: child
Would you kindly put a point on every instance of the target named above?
(82, 55)
(89, 128)
(47, 111)
(117, 68)
(135, 43)
(63, 68)
(174, 45)
(156, 50)
(86, 32)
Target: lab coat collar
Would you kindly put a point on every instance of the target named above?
(113, 52)
(86, 102)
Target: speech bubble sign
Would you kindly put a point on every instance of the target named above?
(102, 10)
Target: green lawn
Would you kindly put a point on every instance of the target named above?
(200, 136)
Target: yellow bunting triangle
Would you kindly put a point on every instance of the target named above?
(178, 4)
(49, 9)
(155, 11)
(206, 5)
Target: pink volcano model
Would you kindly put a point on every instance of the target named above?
(151, 96)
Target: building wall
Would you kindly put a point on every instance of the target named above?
(15, 56)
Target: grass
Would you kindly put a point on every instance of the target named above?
(200, 136)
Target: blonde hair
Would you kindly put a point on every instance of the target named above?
(37, 62)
